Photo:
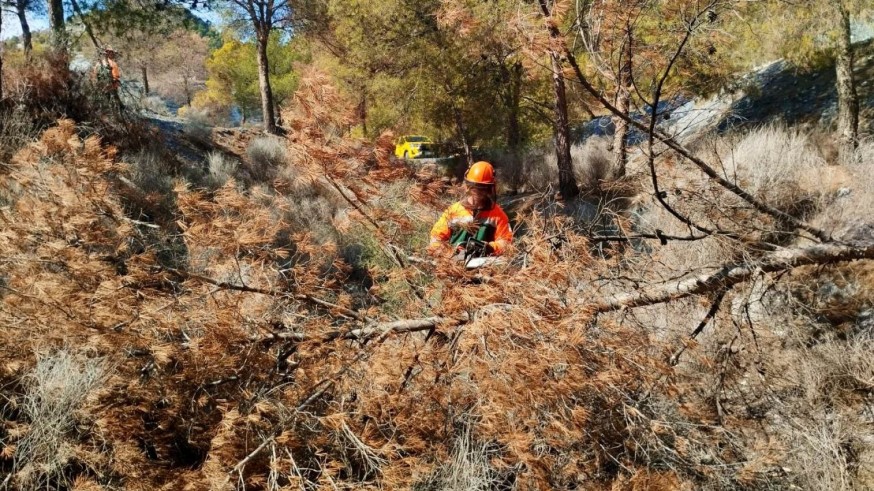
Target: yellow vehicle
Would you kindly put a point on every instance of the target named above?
(414, 147)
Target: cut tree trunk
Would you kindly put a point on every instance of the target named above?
(264, 85)
(623, 104)
(848, 97)
(26, 37)
(187, 87)
(145, 71)
(567, 182)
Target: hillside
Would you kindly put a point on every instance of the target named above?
(777, 92)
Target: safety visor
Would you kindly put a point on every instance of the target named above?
(479, 197)
(479, 185)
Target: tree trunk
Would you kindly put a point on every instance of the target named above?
(145, 71)
(56, 20)
(567, 182)
(848, 97)
(462, 133)
(623, 104)
(187, 87)
(1, 57)
(512, 100)
(264, 84)
(362, 113)
(26, 37)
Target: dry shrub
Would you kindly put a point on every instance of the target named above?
(537, 170)
(154, 104)
(46, 88)
(103, 284)
(847, 215)
(16, 130)
(778, 165)
(266, 155)
(148, 190)
(781, 370)
(55, 390)
(198, 131)
(220, 169)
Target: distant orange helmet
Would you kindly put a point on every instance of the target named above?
(480, 173)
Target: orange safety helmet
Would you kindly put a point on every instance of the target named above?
(480, 173)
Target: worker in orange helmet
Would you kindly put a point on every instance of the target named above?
(476, 225)
(108, 66)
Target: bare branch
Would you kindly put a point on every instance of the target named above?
(714, 308)
(686, 153)
(223, 285)
(376, 330)
(731, 274)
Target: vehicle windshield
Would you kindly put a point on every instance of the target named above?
(417, 139)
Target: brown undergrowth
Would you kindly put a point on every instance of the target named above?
(259, 356)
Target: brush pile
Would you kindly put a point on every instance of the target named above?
(233, 348)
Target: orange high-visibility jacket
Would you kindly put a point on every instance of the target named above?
(114, 71)
(457, 214)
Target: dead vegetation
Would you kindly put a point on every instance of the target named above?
(278, 336)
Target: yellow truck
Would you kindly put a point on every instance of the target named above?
(414, 147)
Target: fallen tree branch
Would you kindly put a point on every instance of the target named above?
(373, 331)
(223, 285)
(731, 274)
(714, 308)
(379, 332)
(659, 235)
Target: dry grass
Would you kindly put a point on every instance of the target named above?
(266, 156)
(155, 105)
(847, 214)
(220, 169)
(16, 130)
(789, 356)
(537, 170)
(468, 467)
(56, 389)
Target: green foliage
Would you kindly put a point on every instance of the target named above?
(415, 69)
(805, 32)
(233, 73)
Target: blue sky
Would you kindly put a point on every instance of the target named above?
(11, 27)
